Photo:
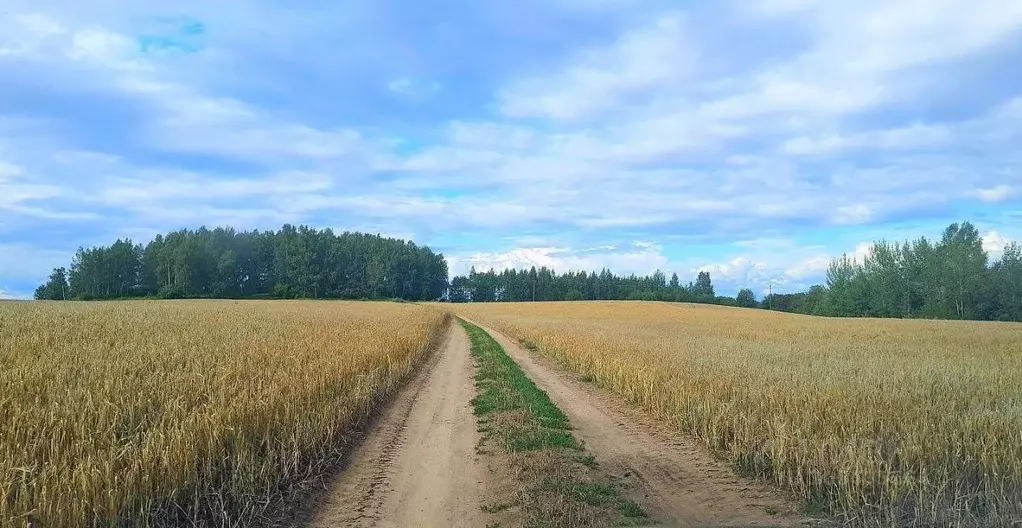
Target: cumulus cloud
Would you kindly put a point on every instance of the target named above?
(810, 267)
(740, 270)
(994, 243)
(608, 121)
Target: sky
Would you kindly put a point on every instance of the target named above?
(755, 139)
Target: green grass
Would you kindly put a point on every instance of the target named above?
(596, 494)
(587, 460)
(561, 484)
(631, 510)
(504, 388)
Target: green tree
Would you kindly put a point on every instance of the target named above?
(746, 298)
(885, 279)
(56, 287)
(573, 295)
(848, 296)
(1007, 284)
(292, 262)
(703, 289)
(964, 269)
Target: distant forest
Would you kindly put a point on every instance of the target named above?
(223, 263)
(951, 278)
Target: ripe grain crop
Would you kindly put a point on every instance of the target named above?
(199, 413)
(883, 422)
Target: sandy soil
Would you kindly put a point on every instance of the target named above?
(418, 465)
(670, 475)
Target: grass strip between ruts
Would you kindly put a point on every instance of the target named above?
(561, 485)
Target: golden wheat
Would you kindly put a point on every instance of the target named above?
(148, 413)
(888, 422)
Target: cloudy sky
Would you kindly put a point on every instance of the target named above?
(753, 138)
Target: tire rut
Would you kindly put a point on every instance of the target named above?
(674, 476)
(417, 464)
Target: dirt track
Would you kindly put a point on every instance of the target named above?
(669, 474)
(417, 465)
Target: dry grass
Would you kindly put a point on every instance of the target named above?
(886, 422)
(148, 413)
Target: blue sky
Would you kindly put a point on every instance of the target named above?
(756, 139)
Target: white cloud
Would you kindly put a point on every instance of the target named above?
(910, 137)
(632, 133)
(25, 34)
(683, 116)
(810, 267)
(739, 270)
(642, 259)
(604, 77)
(173, 186)
(862, 251)
(998, 193)
(778, 265)
(186, 118)
(106, 49)
(994, 243)
(766, 272)
(10, 171)
(860, 51)
(189, 121)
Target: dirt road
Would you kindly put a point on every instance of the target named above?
(672, 476)
(417, 465)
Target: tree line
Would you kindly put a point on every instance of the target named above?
(950, 278)
(544, 284)
(294, 262)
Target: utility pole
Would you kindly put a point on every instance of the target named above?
(770, 304)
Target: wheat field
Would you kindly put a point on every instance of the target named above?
(197, 412)
(883, 422)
